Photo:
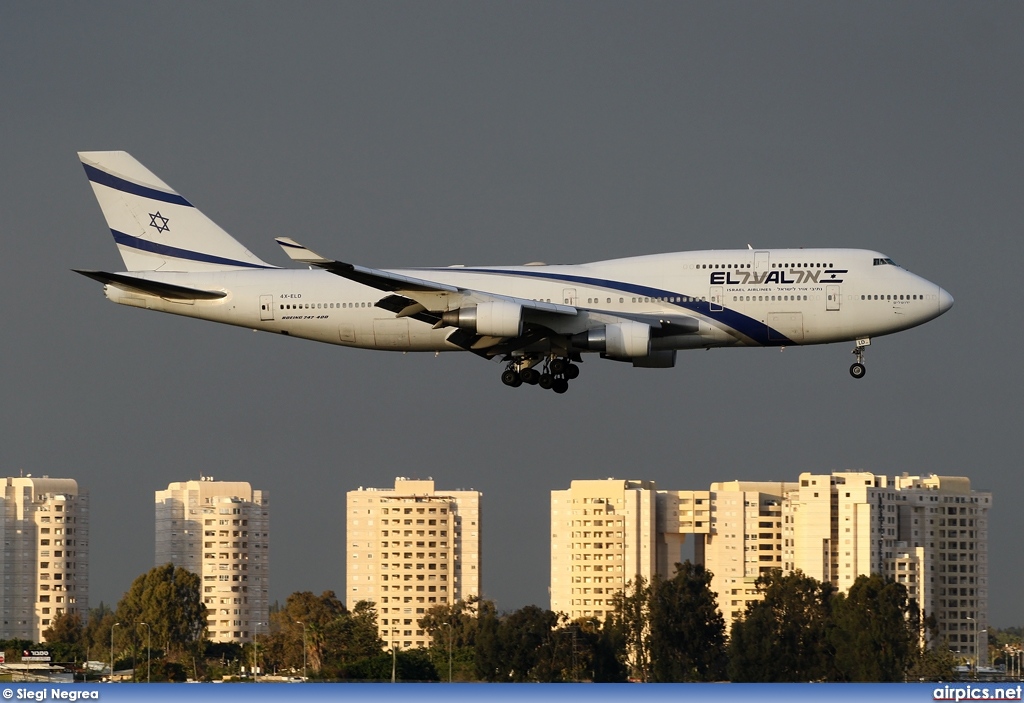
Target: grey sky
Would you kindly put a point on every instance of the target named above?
(395, 134)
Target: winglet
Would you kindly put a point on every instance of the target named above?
(297, 252)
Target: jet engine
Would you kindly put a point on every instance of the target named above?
(618, 340)
(495, 318)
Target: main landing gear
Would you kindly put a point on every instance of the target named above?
(857, 370)
(554, 375)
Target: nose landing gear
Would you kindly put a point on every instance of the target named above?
(857, 370)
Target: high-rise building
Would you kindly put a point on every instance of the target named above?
(929, 533)
(745, 540)
(605, 533)
(220, 530)
(44, 524)
(411, 548)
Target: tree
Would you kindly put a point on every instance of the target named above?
(316, 613)
(487, 643)
(454, 625)
(66, 628)
(632, 614)
(609, 653)
(97, 632)
(784, 636)
(687, 633)
(875, 634)
(352, 638)
(334, 637)
(522, 635)
(65, 638)
(170, 601)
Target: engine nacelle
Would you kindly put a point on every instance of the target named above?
(627, 339)
(495, 318)
(619, 340)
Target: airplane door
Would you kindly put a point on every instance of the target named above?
(761, 260)
(266, 307)
(832, 297)
(569, 296)
(716, 298)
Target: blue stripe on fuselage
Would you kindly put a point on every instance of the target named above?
(111, 181)
(748, 326)
(155, 248)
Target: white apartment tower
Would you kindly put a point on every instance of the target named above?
(745, 540)
(605, 533)
(411, 548)
(44, 523)
(929, 533)
(220, 530)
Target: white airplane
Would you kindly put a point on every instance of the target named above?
(538, 319)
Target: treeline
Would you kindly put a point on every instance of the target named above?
(670, 630)
(666, 630)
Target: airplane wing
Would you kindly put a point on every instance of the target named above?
(409, 286)
(439, 304)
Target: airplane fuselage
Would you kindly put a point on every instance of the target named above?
(777, 297)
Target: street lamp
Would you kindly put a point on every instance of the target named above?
(149, 632)
(255, 646)
(303, 648)
(112, 649)
(974, 638)
(450, 635)
(394, 655)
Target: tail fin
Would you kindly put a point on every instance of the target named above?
(155, 228)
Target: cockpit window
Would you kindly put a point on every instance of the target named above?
(885, 262)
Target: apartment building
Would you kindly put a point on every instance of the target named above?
(411, 548)
(220, 530)
(44, 525)
(929, 533)
(606, 532)
(745, 540)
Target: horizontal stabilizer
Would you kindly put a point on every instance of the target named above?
(157, 288)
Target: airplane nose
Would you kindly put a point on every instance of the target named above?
(945, 301)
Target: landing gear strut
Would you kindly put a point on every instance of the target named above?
(857, 370)
(555, 373)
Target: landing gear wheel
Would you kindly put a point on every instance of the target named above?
(546, 381)
(572, 371)
(557, 366)
(511, 378)
(858, 370)
(530, 376)
(560, 385)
